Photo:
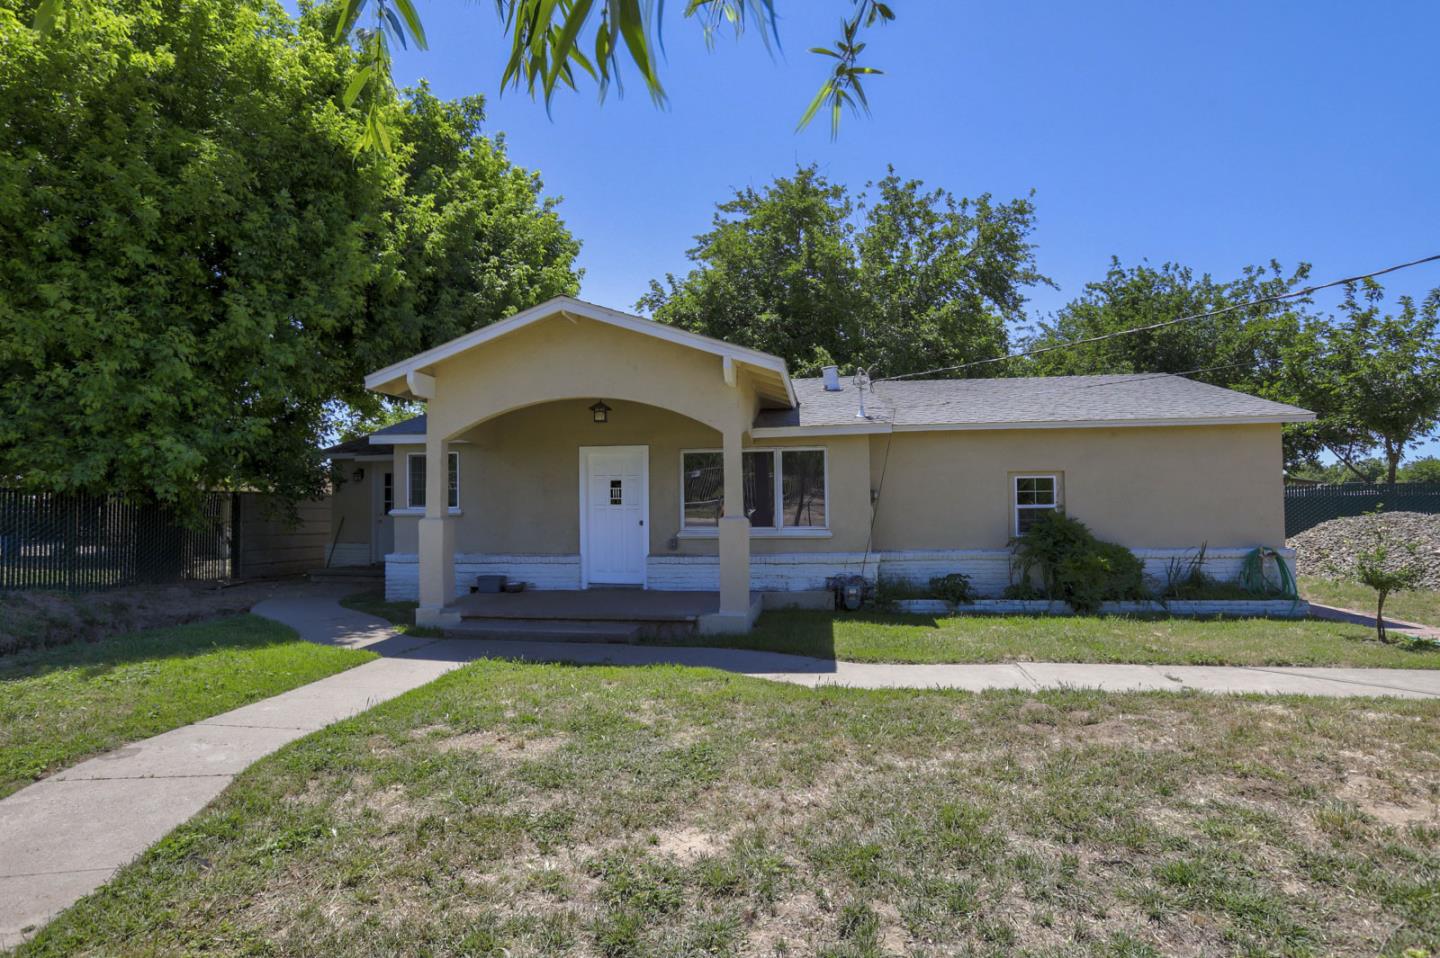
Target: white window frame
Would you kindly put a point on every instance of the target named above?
(1016, 507)
(780, 530)
(411, 509)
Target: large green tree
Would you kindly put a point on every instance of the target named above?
(1240, 349)
(1372, 377)
(194, 269)
(903, 280)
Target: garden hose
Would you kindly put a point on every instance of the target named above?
(1252, 573)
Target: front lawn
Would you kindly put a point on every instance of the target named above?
(548, 810)
(59, 706)
(1422, 605)
(870, 637)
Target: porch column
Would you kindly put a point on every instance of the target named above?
(437, 537)
(734, 534)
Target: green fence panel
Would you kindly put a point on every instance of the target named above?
(1308, 506)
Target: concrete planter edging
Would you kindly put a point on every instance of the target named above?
(1253, 608)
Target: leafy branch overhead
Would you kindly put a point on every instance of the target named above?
(550, 40)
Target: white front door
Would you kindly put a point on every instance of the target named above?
(614, 494)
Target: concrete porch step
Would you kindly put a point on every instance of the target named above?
(348, 573)
(548, 630)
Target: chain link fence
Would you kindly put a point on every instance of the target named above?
(75, 543)
(1308, 506)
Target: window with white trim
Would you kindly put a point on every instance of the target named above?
(415, 481)
(784, 488)
(1033, 497)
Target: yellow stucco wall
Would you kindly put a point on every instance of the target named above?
(563, 358)
(350, 505)
(1142, 487)
(519, 481)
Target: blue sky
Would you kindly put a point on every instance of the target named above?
(1214, 135)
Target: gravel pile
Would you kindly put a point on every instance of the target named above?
(1329, 549)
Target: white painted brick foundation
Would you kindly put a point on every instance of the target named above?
(788, 572)
(988, 569)
(1267, 608)
(402, 572)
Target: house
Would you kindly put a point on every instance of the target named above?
(572, 446)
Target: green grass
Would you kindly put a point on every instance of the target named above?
(881, 637)
(401, 614)
(869, 637)
(548, 810)
(59, 706)
(1421, 606)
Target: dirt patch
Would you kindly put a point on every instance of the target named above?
(687, 845)
(34, 620)
(501, 743)
(1388, 805)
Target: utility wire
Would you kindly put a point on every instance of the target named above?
(1169, 322)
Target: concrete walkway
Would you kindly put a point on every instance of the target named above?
(1338, 613)
(63, 837)
(1028, 676)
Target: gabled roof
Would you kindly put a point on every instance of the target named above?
(407, 431)
(772, 369)
(1140, 399)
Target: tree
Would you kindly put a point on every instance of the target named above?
(193, 270)
(776, 272)
(474, 237)
(1240, 349)
(550, 40)
(941, 277)
(1382, 570)
(1421, 470)
(913, 280)
(1372, 379)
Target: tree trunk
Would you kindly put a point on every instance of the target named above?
(1392, 460)
(1380, 616)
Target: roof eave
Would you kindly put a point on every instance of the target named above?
(846, 429)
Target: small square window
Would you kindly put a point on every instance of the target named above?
(617, 492)
(1034, 496)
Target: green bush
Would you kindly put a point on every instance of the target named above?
(1074, 566)
(954, 588)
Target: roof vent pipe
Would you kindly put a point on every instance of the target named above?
(832, 378)
(862, 379)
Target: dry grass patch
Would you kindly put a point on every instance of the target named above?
(555, 810)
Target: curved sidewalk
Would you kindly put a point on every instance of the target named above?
(64, 836)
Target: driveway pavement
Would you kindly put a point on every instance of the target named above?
(63, 837)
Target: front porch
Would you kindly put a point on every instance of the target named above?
(602, 615)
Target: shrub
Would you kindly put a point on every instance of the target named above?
(954, 588)
(1076, 567)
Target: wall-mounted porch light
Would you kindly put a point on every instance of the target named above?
(600, 412)
(358, 474)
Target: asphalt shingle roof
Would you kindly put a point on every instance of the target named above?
(1142, 397)
(410, 427)
(361, 446)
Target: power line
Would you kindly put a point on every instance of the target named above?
(1169, 322)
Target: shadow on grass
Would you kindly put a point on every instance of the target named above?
(96, 659)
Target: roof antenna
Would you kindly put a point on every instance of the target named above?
(862, 379)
